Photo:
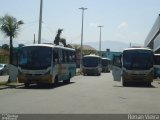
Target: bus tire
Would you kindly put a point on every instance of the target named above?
(148, 83)
(68, 80)
(56, 81)
(26, 85)
(84, 74)
(99, 74)
(124, 83)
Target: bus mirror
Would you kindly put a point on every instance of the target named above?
(117, 61)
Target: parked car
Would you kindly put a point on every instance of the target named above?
(3, 69)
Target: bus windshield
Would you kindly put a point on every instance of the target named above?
(90, 61)
(105, 62)
(35, 57)
(157, 59)
(138, 60)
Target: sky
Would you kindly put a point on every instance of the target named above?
(123, 20)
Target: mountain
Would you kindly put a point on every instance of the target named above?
(112, 45)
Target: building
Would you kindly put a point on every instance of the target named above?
(4, 56)
(110, 54)
(153, 39)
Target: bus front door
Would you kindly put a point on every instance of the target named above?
(117, 68)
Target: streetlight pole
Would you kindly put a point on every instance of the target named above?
(40, 22)
(100, 26)
(82, 8)
(34, 40)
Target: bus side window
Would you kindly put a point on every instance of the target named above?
(68, 59)
(64, 56)
(55, 56)
(100, 61)
(74, 53)
(70, 56)
(73, 56)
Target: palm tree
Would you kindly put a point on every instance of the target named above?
(10, 27)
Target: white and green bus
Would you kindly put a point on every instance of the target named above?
(136, 66)
(106, 65)
(91, 65)
(46, 64)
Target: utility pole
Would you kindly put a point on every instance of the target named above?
(40, 22)
(100, 26)
(82, 8)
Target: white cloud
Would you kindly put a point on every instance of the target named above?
(123, 25)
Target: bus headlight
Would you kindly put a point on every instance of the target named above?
(48, 72)
(47, 77)
(125, 74)
(19, 72)
(151, 73)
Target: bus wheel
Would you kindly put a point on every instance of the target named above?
(124, 83)
(56, 81)
(26, 85)
(148, 83)
(68, 80)
(99, 74)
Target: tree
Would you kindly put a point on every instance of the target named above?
(88, 52)
(58, 39)
(10, 27)
(78, 49)
(5, 47)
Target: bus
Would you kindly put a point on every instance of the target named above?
(46, 64)
(156, 65)
(91, 65)
(106, 64)
(136, 66)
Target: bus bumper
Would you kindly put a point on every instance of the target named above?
(91, 71)
(105, 69)
(35, 79)
(138, 78)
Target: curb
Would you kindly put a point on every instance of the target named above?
(6, 86)
(3, 87)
